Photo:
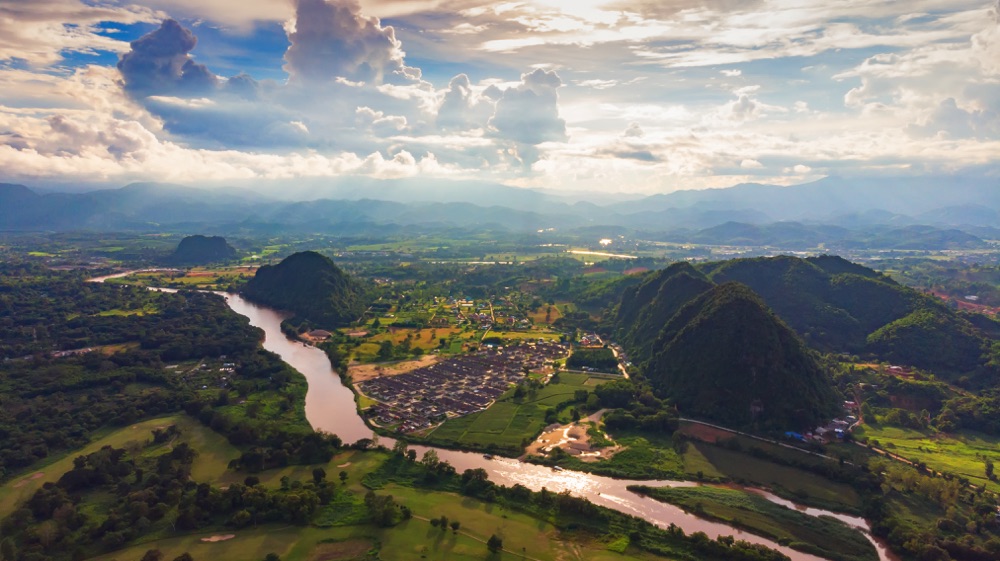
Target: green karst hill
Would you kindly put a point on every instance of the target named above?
(645, 308)
(839, 306)
(200, 250)
(312, 287)
(727, 357)
(832, 304)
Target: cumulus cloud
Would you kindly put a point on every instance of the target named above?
(333, 39)
(633, 131)
(742, 109)
(529, 112)
(950, 120)
(462, 108)
(160, 63)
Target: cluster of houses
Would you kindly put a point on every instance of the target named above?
(488, 315)
(835, 429)
(455, 387)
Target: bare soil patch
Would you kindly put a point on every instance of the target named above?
(218, 538)
(704, 433)
(340, 551)
(31, 477)
(362, 372)
(574, 440)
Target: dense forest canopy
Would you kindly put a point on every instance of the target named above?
(312, 287)
(201, 250)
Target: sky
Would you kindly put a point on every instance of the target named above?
(632, 96)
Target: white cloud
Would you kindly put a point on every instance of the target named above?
(529, 113)
(41, 32)
(332, 39)
(352, 105)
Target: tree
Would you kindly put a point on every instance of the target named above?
(152, 555)
(272, 557)
(343, 476)
(319, 475)
(455, 525)
(443, 522)
(989, 468)
(430, 459)
(8, 551)
(184, 557)
(399, 448)
(494, 544)
(385, 351)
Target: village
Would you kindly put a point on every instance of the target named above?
(455, 387)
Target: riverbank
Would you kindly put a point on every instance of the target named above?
(330, 407)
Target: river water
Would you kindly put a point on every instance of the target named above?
(330, 407)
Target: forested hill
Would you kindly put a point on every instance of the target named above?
(726, 357)
(833, 304)
(200, 250)
(312, 287)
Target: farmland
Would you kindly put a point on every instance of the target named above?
(512, 422)
(963, 454)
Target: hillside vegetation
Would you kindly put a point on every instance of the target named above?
(832, 304)
(726, 357)
(310, 286)
(840, 306)
(200, 250)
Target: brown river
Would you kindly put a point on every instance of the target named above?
(330, 407)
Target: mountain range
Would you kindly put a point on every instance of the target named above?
(928, 212)
(736, 341)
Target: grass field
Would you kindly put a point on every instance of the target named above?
(509, 423)
(824, 536)
(523, 535)
(215, 452)
(202, 278)
(961, 454)
(146, 310)
(789, 482)
(539, 316)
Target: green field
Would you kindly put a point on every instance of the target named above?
(215, 452)
(823, 536)
(509, 422)
(343, 540)
(789, 482)
(960, 454)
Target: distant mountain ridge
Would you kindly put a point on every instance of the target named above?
(855, 213)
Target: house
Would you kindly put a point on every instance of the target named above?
(319, 335)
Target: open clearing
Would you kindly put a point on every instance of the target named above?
(362, 372)
(961, 453)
